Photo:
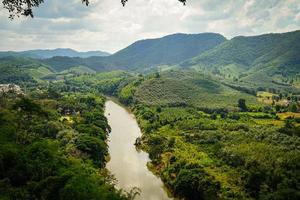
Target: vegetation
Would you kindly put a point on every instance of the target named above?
(223, 155)
(43, 54)
(249, 151)
(53, 146)
(208, 135)
(146, 55)
(268, 61)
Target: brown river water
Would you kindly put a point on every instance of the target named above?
(127, 164)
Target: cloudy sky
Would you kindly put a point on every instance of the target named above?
(106, 25)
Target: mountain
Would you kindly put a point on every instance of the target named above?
(145, 54)
(270, 60)
(168, 50)
(43, 54)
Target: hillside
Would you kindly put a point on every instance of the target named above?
(22, 70)
(182, 88)
(47, 53)
(145, 54)
(270, 60)
(170, 49)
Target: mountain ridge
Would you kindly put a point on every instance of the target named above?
(148, 53)
(49, 53)
(263, 59)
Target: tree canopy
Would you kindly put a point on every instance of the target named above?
(24, 7)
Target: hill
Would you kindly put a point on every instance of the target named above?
(270, 60)
(146, 54)
(43, 54)
(168, 50)
(20, 70)
(185, 88)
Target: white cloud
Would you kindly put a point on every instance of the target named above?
(106, 25)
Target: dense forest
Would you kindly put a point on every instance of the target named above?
(53, 145)
(217, 122)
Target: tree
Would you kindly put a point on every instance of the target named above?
(95, 148)
(24, 7)
(242, 105)
(293, 107)
(214, 116)
(196, 184)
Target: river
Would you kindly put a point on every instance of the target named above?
(127, 164)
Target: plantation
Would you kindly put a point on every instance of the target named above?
(183, 88)
(242, 158)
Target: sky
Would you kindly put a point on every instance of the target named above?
(106, 25)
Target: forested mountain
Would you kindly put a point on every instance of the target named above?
(170, 49)
(265, 59)
(144, 54)
(269, 61)
(47, 53)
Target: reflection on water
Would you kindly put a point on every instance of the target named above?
(128, 165)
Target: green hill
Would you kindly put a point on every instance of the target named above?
(190, 88)
(270, 60)
(170, 49)
(146, 54)
(61, 63)
(78, 70)
(20, 70)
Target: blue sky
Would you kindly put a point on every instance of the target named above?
(106, 25)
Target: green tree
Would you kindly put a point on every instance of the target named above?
(242, 105)
(195, 184)
(293, 107)
(95, 148)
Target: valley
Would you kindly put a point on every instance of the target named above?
(215, 119)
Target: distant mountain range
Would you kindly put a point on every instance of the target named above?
(47, 53)
(168, 50)
(145, 54)
(269, 60)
